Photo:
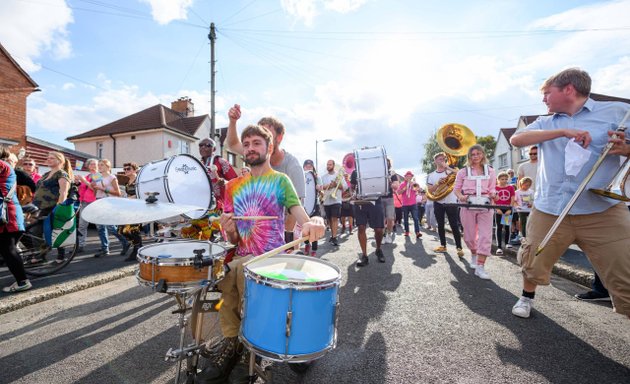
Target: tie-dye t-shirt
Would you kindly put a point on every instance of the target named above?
(265, 195)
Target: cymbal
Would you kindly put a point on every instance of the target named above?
(118, 211)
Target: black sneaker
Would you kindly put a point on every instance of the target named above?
(101, 253)
(334, 242)
(240, 372)
(362, 261)
(223, 357)
(133, 254)
(124, 250)
(380, 256)
(592, 296)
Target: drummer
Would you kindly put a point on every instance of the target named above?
(265, 192)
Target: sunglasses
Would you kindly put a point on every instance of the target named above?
(127, 169)
(533, 153)
(205, 145)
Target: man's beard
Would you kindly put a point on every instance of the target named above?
(255, 161)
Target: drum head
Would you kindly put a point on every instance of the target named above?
(179, 251)
(310, 201)
(295, 269)
(188, 183)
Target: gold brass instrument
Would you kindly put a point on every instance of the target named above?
(619, 187)
(608, 192)
(455, 140)
(338, 180)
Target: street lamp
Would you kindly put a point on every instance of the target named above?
(316, 163)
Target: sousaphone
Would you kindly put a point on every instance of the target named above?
(455, 140)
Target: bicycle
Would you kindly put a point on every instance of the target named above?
(37, 256)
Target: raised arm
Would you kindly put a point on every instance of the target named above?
(231, 139)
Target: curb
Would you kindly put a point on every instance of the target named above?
(38, 295)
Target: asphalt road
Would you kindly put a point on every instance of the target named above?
(418, 318)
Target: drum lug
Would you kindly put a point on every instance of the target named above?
(289, 320)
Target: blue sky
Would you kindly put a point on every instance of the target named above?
(359, 72)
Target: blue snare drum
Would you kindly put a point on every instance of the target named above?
(290, 307)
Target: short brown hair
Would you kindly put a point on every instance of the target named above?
(256, 130)
(132, 165)
(580, 80)
(274, 123)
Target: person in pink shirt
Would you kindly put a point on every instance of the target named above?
(408, 194)
(87, 195)
(30, 167)
(505, 195)
(477, 181)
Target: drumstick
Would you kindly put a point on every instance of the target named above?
(215, 218)
(277, 250)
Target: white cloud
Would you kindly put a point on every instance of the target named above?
(165, 11)
(307, 10)
(68, 86)
(29, 30)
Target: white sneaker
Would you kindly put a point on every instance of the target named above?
(387, 239)
(508, 246)
(523, 307)
(499, 251)
(473, 261)
(480, 272)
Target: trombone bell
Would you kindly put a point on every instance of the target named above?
(619, 188)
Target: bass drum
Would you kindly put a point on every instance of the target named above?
(180, 179)
(310, 201)
(372, 174)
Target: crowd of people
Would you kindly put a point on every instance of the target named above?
(521, 206)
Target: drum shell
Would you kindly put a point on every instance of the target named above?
(372, 172)
(310, 201)
(180, 179)
(178, 270)
(313, 308)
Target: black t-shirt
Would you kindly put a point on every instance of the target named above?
(392, 178)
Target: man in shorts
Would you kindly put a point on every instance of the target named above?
(368, 212)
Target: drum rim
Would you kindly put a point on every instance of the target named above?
(292, 284)
(180, 261)
(281, 357)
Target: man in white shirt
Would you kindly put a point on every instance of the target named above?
(333, 184)
(434, 180)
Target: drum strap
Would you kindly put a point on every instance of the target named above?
(478, 178)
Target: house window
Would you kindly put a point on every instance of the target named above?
(184, 147)
(503, 160)
(99, 149)
(231, 158)
(523, 153)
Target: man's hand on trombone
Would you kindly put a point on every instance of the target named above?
(620, 147)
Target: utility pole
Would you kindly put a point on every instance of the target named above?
(212, 36)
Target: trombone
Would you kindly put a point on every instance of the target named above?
(606, 192)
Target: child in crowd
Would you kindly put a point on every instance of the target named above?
(524, 202)
(505, 196)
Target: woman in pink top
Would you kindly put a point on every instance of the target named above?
(87, 195)
(476, 179)
(408, 194)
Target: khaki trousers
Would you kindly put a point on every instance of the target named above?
(604, 237)
(232, 288)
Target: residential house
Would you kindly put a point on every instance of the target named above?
(152, 134)
(507, 156)
(37, 149)
(15, 86)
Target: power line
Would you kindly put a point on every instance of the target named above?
(253, 18)
(239, 11)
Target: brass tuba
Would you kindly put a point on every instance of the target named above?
(455, 140)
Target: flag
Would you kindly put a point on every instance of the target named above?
(60, 229)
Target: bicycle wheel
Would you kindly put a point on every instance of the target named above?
(41, 260)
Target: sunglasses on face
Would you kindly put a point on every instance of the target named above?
(205, 145)
(127, 168)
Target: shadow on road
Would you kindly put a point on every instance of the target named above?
(44, 354)
(544, 345)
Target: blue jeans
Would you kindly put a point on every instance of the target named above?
(413, 209)
(103, 236)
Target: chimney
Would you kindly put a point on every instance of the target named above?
(184, 105)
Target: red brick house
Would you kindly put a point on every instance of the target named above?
(15, 86)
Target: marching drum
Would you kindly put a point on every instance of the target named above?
(180, 179)
(173, 264)
(372, 173)
(310, 201)
(290, 308)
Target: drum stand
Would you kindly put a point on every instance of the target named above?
(190, 352)
(257, 370)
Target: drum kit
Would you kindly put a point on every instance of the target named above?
(290, 302)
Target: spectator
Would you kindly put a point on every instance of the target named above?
(87, 195)
(524, 202)
(503, 216)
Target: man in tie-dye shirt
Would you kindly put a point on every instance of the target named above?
(264, 192)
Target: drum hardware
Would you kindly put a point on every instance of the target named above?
(455, 140)
(621, 128)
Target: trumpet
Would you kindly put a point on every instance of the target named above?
(409, 186)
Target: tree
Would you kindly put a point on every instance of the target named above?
(431, 148)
